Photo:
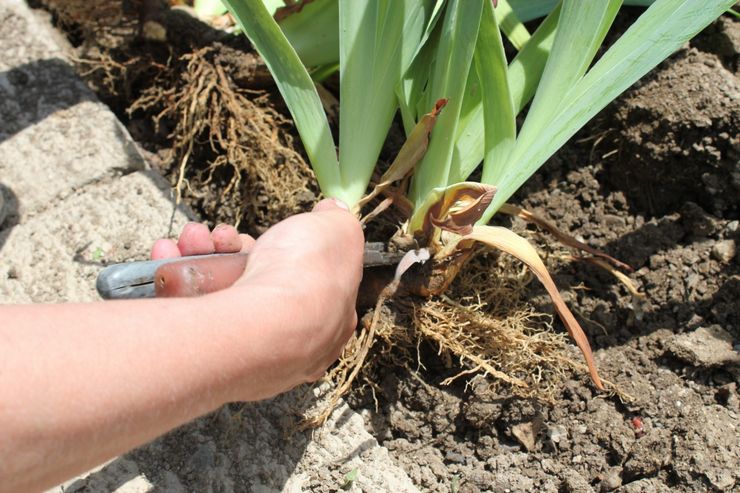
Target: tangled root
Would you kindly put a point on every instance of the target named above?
(250, 161)
(482, 326)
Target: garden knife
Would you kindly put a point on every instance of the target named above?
(137, 279)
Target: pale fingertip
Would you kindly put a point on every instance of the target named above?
(330, 204)
(341, 204)
(226, 239)
(195, 239)
(165, 248)
(247, 242)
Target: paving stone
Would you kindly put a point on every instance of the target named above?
(49, 120)
(57, 254)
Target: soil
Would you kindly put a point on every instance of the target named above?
(653, 180)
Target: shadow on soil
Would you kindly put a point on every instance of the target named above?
(240, 447)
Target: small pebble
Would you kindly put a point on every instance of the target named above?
(557, 433)
(724, 250)
(612, 481)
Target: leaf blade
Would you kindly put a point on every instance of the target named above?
(377, 41)
(662, 29)
(296, 87)
(454, 57)
(506, 240)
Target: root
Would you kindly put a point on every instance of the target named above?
(482, 326)
(354, 362)
(226, 138)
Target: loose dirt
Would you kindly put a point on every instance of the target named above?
(653, 180)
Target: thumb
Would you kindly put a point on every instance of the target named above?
(330, 205)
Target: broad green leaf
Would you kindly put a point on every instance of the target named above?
(314, 32)
(511, 25)
(524, 74)
(582, 26)
(377, 40)
(527, 10)
(411, 87)
(297, 89)
(662, 29)
(452, 64)
(498, 109)
(525, 70)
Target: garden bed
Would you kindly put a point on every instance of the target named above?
(653, 180)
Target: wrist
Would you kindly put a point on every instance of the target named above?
(245, 324)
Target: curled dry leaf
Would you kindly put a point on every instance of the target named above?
(458, 208)
(511, 243)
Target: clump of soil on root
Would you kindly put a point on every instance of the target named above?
(237, 133)
(482, 326)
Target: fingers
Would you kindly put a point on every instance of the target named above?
(165, 248)
(200, 275)
(247, 242)
(195, 239)
(226, 239)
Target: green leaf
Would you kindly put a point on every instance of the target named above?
(411, 152)
(209, 8)
(453, 57)
(511, 25)
(581, 29)
(527, 10)
(411, 87)
(378, 39)
(314, 32)
(498, 109)
(524, 74)
(350, 478)
(297, 89)
(662, 29)
(525, 70)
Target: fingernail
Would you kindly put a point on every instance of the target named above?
(341, 204)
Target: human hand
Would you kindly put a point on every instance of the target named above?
(200, 275)
(293, 309)
(306, 271)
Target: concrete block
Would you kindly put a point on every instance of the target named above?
(254, 447)
(63, 152)
(57, 254)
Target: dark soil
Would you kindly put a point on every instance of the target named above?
(654, 181)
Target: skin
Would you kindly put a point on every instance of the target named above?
(83, 383)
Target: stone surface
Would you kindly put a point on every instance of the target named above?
(78, 195)
(706, 346)
(57, 254)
